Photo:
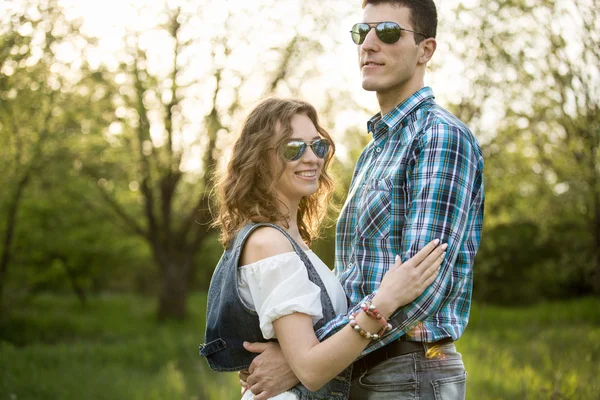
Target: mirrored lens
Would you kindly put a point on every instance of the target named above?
(320, 147)
(359, 33)
(294, 150)
(388, 32)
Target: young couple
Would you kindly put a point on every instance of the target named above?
(379, 328)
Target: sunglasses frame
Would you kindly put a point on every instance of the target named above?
(375, 25)
(304, 145)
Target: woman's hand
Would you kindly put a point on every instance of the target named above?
(406, 281)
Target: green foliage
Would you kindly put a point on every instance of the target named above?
(80, 167)
(115, 349)
(131, 140)
(549, 351)
(47, 102)
(207, 260)
(539, 83)
(61, 242)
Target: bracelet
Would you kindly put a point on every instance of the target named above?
(371, 310)
(368, 335)
(354, 325)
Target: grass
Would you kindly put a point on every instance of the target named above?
(115, 349)
(548, 351)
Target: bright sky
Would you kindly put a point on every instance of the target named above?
(110, 19)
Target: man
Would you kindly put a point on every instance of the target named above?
(420, 178)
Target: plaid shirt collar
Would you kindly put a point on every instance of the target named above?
(378, 126)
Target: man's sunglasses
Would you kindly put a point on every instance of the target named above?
(387, 32)
(295, 149)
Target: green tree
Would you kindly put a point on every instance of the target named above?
(155, 169)
(540, 82)
(43, 101)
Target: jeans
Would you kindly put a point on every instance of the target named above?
(437, 373)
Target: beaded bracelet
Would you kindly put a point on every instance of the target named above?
(371, 310)
(354, 325)
(368, 335)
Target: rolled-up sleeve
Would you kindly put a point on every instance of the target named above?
(442, 184)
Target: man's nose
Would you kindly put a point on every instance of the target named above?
(371, 42)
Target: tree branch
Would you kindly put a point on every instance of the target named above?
(120, 211)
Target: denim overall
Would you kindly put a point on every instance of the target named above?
(230, 322)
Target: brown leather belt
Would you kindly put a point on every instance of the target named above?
(394, 349)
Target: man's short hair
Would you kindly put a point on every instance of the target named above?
(423, 15)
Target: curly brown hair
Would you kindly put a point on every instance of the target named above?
(245, 191)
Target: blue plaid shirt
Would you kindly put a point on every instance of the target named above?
(420, 178)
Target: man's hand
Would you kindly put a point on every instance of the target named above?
(269, 374)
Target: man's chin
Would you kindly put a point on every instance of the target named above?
(369, 88)
(369, 85)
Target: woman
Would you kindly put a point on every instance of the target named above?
(269, 284)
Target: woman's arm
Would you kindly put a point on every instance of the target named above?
(316, 363)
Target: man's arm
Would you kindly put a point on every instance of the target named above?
(444, 178)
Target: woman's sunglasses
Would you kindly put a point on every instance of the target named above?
(387, 32)
(295, 149)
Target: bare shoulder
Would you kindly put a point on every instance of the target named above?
(264, 242)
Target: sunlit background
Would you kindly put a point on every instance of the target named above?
(115, 115)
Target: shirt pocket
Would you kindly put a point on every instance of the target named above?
(375, 209)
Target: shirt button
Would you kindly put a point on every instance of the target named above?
(378, 149)
(351, 265)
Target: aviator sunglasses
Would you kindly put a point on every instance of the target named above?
(295, 149)
(387, 32)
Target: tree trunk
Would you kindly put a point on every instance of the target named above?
(11, 226)
(175, 271)
(594, 137)
(596, 275)
(77, 288)
(596, 226)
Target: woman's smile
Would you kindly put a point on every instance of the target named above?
(308, 174)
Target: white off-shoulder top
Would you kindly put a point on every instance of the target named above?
(278, 286)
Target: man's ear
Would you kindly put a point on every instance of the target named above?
(428, 48)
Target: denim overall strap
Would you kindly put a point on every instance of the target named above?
(313, 275)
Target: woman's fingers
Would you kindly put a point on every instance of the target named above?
(431, 259)
(431, 278)
(422, 254)
(397, 262)
(434, 268)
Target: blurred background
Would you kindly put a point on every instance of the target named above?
(114, 116)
